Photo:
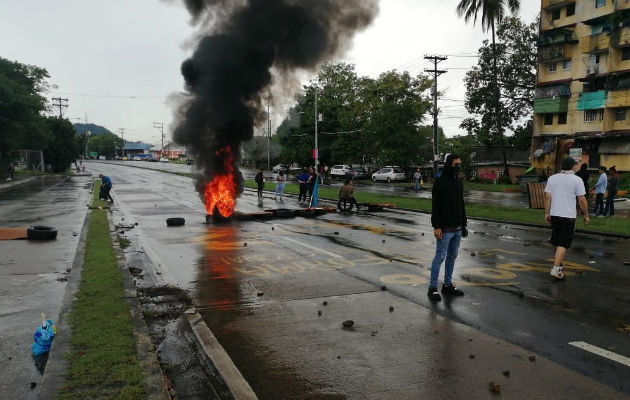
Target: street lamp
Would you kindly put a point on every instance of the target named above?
(87, 137)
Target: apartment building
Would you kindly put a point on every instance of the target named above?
(582, 102)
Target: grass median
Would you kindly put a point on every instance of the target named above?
(102, 362)
(615, 225)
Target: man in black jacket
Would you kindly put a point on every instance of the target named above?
(448, 217)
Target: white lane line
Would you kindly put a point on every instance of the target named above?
(312, 247)
(602, 352)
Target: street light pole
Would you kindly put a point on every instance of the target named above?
(316, 146)
(122, 137)
(87, 137)
(268, 137)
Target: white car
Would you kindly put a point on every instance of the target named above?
(164, 159)
(340, 171)
(389, 174)
(136, 158)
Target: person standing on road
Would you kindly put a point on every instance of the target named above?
(561, 193)
(280, 185)
(612, 191)
(583, 174)
(448, 217)
(260, 181)
(106, 186)
(311, 181)
(346, 195)
(417, 176)
(600, 189)
(303, 181)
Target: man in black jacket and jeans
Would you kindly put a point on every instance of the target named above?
(448, 217)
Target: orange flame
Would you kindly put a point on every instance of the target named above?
(221, 190)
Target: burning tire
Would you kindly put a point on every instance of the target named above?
(263, 216)
(41, 232)
(175, 221)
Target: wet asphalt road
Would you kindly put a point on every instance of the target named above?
(260, 285)
(33, 274)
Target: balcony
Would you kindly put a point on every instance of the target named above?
(553, 4)
(551, 53)
(620, 38)
(544, 92)
(596, 44)
(551, 105)
(618, 98)
(591, 100)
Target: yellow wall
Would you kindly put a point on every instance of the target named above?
(621, 161)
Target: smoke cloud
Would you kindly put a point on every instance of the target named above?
(245, 48)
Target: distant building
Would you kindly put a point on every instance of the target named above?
(582, 101)
(171, 150)
(131, 148)
(487, 162)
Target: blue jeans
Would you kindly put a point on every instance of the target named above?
(417, 184)
(279, 190)
(445, 248)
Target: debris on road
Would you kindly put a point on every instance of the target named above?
(383, 288)
(506, 373)
(473, 254)
(471, 356)
(259, 294)
(135, 270)
(495, 387)
(175, 221)
(391, 308)
(43, 336)
(532, 358)
(325, 303)
(319, 312)
(348, 323)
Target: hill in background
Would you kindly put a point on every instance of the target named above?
(97, 130)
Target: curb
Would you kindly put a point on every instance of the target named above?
(154, 382)
(53, 377)
(11, 184)
(232, 377)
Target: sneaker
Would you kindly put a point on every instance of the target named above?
(433, 294)
(557, 272)
(451, 290)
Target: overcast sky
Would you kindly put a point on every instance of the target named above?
(117, 61)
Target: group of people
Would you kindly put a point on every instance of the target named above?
(306, 179)
(607, 181)
(564, 193)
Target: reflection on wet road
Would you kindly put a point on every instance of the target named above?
(261, 286)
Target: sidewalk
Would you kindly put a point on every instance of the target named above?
(33, 274)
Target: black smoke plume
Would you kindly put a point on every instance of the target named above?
(245, 48)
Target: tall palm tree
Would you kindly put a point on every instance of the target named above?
(492, 11)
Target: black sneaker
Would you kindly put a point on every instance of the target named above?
(452, 290)
(433, 294)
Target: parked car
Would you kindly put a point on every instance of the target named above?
(164, 159)
(136, 158)
(359, 173)
(389, 174)
(279, 167)
(339, 171)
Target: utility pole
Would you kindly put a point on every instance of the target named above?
(268, 136)
(316, 146)
(436, 72)
(122, 136)
(61, 103)
(160, 126)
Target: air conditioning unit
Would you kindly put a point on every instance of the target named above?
(592, 69)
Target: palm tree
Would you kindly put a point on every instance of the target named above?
(492, 11)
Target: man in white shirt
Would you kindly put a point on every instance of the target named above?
(560, 210)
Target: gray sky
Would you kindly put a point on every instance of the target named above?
(99, 53)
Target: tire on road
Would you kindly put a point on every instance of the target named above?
(41, 232)
(175, 221)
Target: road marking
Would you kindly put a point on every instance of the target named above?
(312, 247)
(602, 352)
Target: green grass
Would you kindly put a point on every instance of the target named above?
(103, 361)
(488, 187)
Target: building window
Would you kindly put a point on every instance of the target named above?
(570, 10)
(601, 114)
(625, 53)
(555, 14)
(562, 118)
(566, 65)
(620, 114)
(593, 59)
(551, 67)
(590, 115)
(600, 3)
(548, 119)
